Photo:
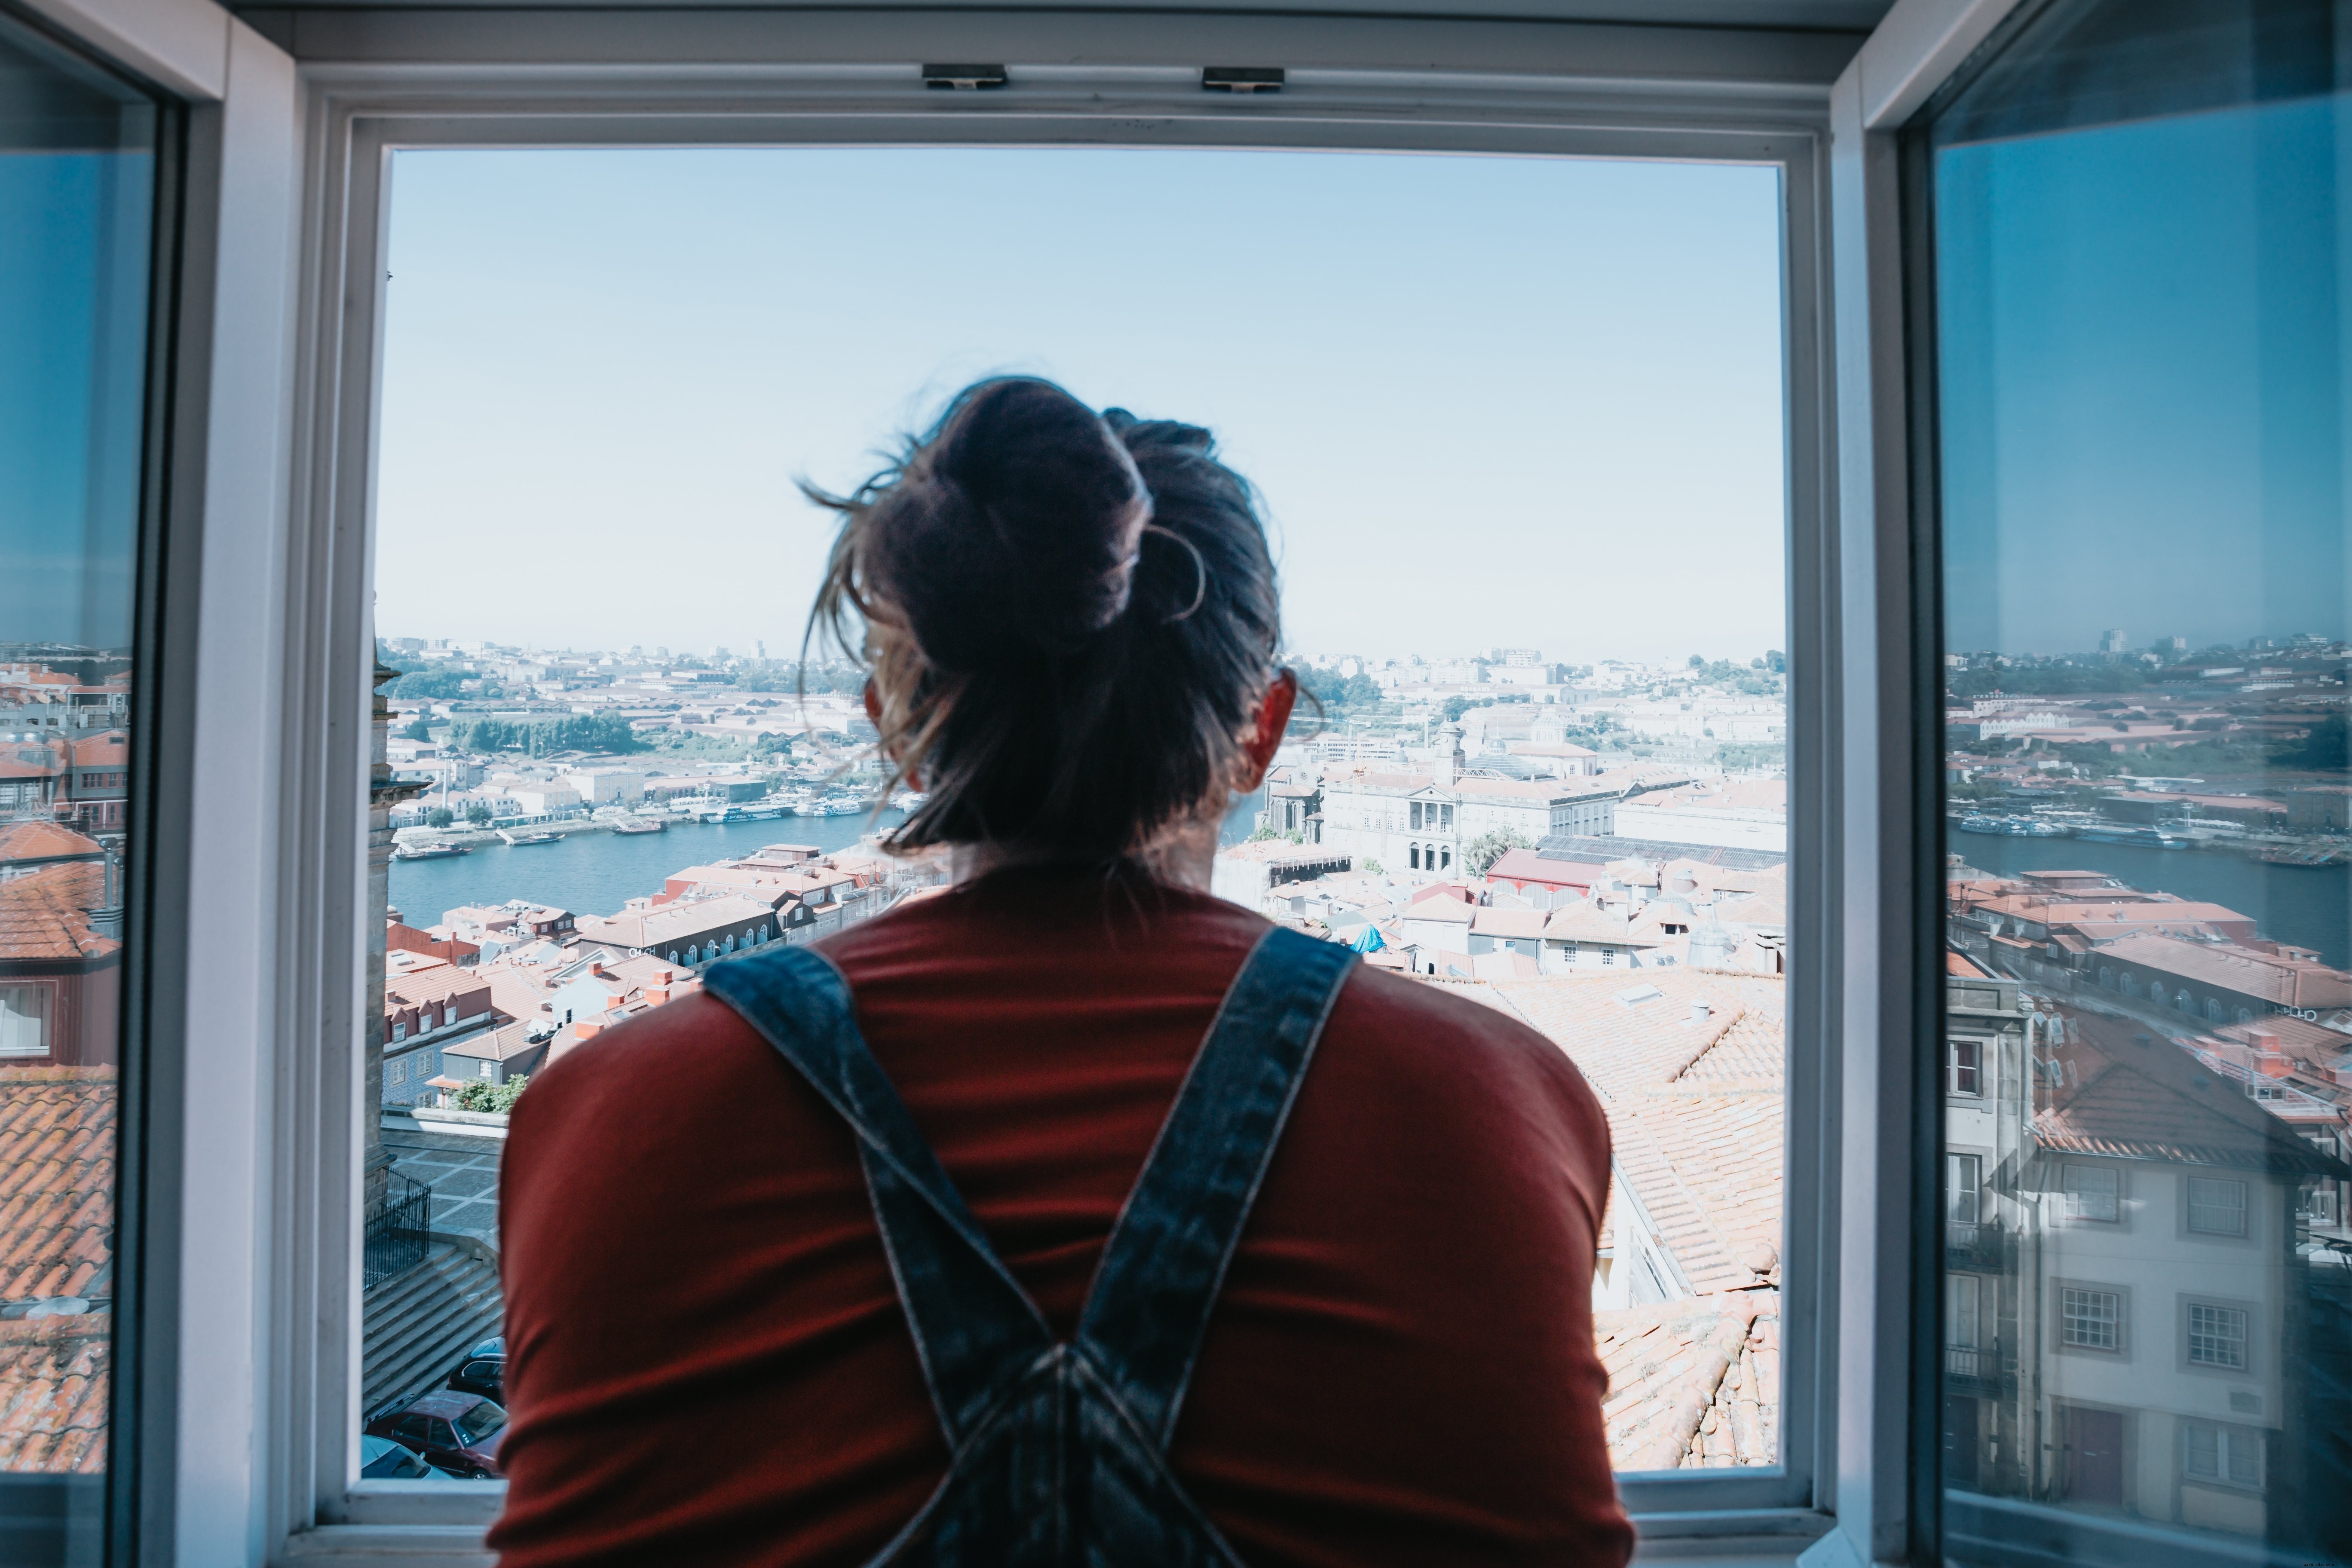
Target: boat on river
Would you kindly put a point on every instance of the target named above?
(2146, 837)
(430, 851)
(755, 810)
(636, 825)
(2011, 827)
(525, 840)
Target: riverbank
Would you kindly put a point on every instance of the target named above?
(2310, 906)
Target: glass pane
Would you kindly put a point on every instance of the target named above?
(77, 176)
(2141, 293)
(1517, 423)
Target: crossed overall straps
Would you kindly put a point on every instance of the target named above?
(976, 1329)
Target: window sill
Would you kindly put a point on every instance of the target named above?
(1765, 1539)
(391, 1546)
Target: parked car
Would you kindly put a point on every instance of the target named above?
(454, 1432)
(484, 1370)
(381, 1459)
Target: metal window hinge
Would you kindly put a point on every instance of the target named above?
(970, 78)
(1241, 79)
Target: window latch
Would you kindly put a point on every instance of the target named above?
(967, 78)
(1241, 79)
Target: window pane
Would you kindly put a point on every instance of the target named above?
(77, 174)
(2217, 1207)
(2141, 304)
(1592, 779)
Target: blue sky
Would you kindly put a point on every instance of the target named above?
(73, 319)
(1488, 400)
(2144, 421)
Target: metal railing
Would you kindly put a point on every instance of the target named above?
(399, 1231)
(1971, 1246)
(1979, 1369)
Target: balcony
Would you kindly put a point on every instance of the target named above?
(1972, 1249)
(1977, 1369)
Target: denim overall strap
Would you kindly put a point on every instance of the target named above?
(975, 1329)
(1167, 1255)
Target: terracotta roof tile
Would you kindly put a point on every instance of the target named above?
(54, 1389)
(1692, 1384)
(56, 1240)
(45, 914)
(44, 841)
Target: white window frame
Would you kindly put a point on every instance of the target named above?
(2189, 1205)
(271, 400)
(38, 1019)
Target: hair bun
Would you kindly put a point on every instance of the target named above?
(1012, 538)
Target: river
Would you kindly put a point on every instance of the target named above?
(596, 873)
(2308, 907)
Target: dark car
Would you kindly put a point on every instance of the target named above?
(484, 1370)
(454, 1432)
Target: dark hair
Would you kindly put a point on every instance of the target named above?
(1068, 618)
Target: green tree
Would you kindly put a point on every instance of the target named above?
(496, 1099)
(478, 813)
(1374, 866)
(2325, 749)
(545, 737)
(1482, 852)
(416, 729)
(439, 817)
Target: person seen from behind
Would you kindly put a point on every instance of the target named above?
(1068, 1215)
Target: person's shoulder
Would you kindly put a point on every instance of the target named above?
(695, 1046)
(1456, 1024)
(1460, 1048)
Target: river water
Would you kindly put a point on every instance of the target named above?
(2309, 907)
(596, 873)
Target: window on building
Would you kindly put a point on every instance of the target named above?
(2217, 1336)
(2092, 1192)
(1961, 1326)
(2217, 1206)
(2231, 1456)
(25, 1020)
(1964, 1061)
(2090, 1320)
(489, 1069)
(1963, 1189)
(78, 190)
(396, 1071)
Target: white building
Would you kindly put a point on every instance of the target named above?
(1419, 822)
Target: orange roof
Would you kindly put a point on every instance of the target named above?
(2287, 981)
(57, 1240)
(1692, 1384)
(2126, 1100)
(111, 746)
(44, 841)
(55, 1385)
(46, 913)
(1695, 1106)
(57, 1181)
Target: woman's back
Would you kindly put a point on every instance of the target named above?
(710, 1361)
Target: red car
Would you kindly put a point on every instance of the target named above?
(454, 1432)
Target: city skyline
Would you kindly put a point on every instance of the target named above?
(610, 366)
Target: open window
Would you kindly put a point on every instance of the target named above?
(1547, 767)
(2131, 367)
